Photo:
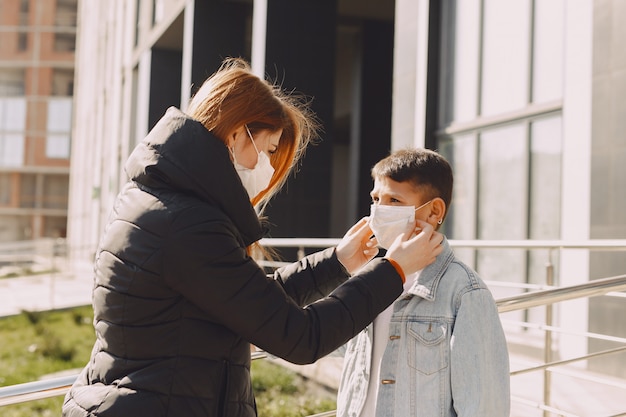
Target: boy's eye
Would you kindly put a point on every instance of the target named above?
(374, 199)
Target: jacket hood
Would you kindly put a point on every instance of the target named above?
(180, 154)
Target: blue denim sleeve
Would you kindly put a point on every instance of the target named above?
(479, 358)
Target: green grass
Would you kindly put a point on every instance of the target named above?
(281, 392)
(36, 344)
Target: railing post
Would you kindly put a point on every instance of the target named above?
(547, 375)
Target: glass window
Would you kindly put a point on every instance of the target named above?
(460, 222)
(22, 41)
(505, 65)
(507, 176)
(545, 198)
(59, 126)
(137, 21)
(548, 50)
(28, 190)
(55, 226)
(503, 186)
(24, 8)
(460, 151)
(11, 149)
(5, 188)
(55, 191)
(158, 8)
(66, 12)
(503, 183)
(12, 114)
(11, 82)
(64, 42)
(545, 178)
(12, 125)
(62, 82)
(461, 62)
(58, 146)
(59, 115)
(15, 228)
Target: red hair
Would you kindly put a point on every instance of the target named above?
(233, 96)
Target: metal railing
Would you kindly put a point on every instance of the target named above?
(30, 256)
(527, 300)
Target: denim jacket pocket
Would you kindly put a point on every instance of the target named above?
(427, 347)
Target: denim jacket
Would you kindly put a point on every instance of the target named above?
(446, 354)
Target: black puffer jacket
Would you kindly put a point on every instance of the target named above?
(177, 301)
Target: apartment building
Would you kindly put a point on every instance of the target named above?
(37, 43)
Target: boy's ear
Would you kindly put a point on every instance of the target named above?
(437, 211)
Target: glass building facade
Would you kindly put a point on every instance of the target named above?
(524, 97)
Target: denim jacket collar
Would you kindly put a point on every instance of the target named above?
(426, 284)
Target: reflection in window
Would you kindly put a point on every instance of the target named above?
(460, 221)
(503, 183)
(545, 179)
(460, 151)
(506, 47)
(548, 50)
(460, 61)
(158, 10)
(137, 20)
(545, 197)
(497, 56)
(502, 201)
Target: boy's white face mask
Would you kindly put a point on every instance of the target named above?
(388, 222)
(255, 179)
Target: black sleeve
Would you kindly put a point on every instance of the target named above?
(206, 264)
(312, 277)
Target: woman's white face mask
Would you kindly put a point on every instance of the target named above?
(388, 222)
(254, 179)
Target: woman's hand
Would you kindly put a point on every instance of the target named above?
(357, 247)
(416, 248)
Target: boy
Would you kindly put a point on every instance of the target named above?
(439, 349)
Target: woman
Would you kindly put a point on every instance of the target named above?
(177, 298)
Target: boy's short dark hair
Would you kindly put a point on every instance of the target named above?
(425, 169)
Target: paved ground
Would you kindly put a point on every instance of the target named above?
(44, 292)
(582, 397)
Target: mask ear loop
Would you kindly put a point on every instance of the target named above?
(424, 205)
(252, 139)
